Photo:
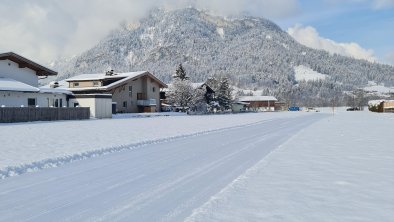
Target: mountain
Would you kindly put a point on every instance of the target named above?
(253, 52)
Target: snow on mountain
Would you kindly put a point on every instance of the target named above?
(307, 74)
(254, 52)
(379, 89)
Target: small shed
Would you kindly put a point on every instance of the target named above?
(238, 107)
(100, 104)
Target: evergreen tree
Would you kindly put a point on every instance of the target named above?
(224, 94)
(180, 73)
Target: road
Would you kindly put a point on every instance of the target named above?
(157, 182)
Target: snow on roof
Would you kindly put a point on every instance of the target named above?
(7, 84)
(122, 77)
(55, 91)
(241, 103)
(197, 84)
(61, 85)
(256, 98)
(102, 76)
(377, 102)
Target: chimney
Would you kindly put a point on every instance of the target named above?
(110, 73)
(54, 84)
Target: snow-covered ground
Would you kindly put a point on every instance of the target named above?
(249, 167)
(340, 169)
(156, 182)
(30, 146)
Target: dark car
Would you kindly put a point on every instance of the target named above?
(353, 109)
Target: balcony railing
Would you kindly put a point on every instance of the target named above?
(147, 102)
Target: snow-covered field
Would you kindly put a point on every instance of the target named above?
(30, 146)
(340, 169)
(248, 167)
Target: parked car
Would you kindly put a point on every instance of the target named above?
(353, 109)
(311, 109)
(294, 108)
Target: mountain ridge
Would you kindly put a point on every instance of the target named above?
(253, 52)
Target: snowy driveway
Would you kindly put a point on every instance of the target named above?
(156, 182)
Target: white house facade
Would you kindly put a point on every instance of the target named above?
(19, 84)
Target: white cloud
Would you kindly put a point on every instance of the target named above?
(389, 57)
(44, 30)
(310, 37)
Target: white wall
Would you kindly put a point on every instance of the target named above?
(10, 69)
(154, 95)
(17, 99)
(99, 107)
(103, 108)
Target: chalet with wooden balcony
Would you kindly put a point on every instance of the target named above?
(131, 92)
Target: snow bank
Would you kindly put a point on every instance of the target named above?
(29, 147)
(339, 169)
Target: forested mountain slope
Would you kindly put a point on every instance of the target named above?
(253, 52)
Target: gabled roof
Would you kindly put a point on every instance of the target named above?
(27, 63)
(122, 78)
(256, 98)
(7, 84)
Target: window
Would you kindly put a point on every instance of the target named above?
(125, 104)
(154, 89)
(31, 101)
(75, 84)
(60, 102)
(130, 91)
(76, 104)
(95, 83)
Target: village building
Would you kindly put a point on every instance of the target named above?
(238, 106)
(259, 103)
(131, 92)
(21, 98)
(281, 106)
(381, 106)
(19, 84)
(388, 106)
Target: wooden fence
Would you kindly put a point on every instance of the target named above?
(28, 114)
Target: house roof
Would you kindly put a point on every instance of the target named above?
(256, 98)
(7, 84)
(27, 63)
(241, 103)
(55, 90)
(122, 78)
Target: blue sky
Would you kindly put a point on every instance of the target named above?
(47, 29)
(362, 22)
